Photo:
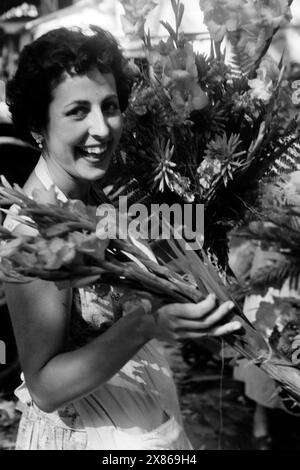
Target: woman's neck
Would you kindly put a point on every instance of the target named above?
(71, 187)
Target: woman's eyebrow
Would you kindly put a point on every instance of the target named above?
(76, 103)
(113, 96)
(87, 102)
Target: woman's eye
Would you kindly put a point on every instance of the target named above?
(111, 108)
(78, 113)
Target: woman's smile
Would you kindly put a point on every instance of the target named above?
(94, 154)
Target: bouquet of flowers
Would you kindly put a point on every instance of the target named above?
(207, 129)
(70, 247)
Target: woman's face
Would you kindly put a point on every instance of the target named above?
(84, 126)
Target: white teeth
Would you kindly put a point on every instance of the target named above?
(95, 150)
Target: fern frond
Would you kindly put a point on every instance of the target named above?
(240, 62)
(275, 276)
(289, 159)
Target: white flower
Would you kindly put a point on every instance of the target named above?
(276, 13)
(136, 12)
(263, 85)
(221, 16)
(254, 20)
(208, 170)
(261, 90)
(176, 70)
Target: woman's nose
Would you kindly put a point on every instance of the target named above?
(98, 125)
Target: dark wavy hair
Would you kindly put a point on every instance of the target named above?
(43, 64)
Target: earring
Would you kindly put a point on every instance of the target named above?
(39, 141)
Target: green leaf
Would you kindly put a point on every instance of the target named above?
(174, 6)
(169, 29)
(180, 14)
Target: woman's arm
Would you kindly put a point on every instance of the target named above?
(40, 315)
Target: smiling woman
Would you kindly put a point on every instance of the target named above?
(85, 124)
(93, 380)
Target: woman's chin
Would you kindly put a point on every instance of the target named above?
(93, 175)
(93, 172)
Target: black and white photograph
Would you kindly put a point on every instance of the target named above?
(149, 227)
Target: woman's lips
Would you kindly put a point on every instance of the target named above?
(95, 153)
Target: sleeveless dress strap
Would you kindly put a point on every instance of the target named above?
(42, 172)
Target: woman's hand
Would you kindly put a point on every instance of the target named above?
(175, 322)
